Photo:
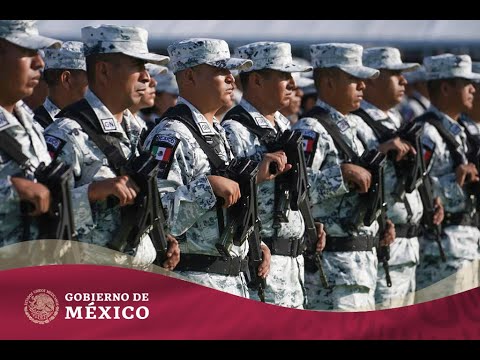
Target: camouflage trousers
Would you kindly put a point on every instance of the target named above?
(235, 285)
(285, 282)
(447, 278)
(352, 279)
(404, 258)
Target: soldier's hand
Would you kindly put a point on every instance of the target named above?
(122, 187)
(357, 177)
(401, 147)
(322, 237)
(173, 253)
(279, 158)
(35, 193)
(439, 211)
(389, 234)
(264, 267)
(226, 189)
(466, 173)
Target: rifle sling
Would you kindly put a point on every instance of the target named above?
(109, 145)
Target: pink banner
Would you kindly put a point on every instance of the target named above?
(102, 302)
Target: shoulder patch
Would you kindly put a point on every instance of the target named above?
(310, 140)
(108, 125)
(343, 125)
(428, 150)
(54, 145)
(163, 148)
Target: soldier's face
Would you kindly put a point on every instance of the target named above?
(129, 79)
(347, 92)
(466, 91)
(148, 99)
(278, 86)
(20, 71)
(390, 87)
(213, 85)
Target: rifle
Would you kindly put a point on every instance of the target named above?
(372, 204)
(58, 222)
(294, 184)
(146, 214)
(243, 222)
(410, 166)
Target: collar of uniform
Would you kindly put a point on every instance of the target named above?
(202, 123)
(451, 125)
(341, 121)
(7, 119)
(106, 119)
(472, 125)
(51, 108)
(374, 112)
(262, 121)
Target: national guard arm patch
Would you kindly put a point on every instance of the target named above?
(310, 140)
(163, 148)
(54, 145)
(428, 150)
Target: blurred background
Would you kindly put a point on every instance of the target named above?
(415, 38)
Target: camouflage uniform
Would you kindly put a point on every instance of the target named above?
(285, 281)
(473, 127)
(186, 192)
(19, 126)
(352, 274)
(404, 252)
(460, 242)
(98, 222)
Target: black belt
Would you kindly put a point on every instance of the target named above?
(286, 247)
(350, 243)
(461, 218)
(407, 230)
(231, 266)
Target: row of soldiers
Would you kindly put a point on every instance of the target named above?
(355, 194)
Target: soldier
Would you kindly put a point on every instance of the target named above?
(191, 193)
(20, 62)
(267, 87)
(337, 185)
(380, 124)
(66, 76)
(148, 99)
(166, 94)
(445, 148)
(293, 110)
(115, 58)
(416, 100)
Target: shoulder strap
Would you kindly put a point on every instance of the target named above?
(84, 115)
(452, 144)
(238, 113)
(12, 148)
(324, 118)
(42, 116)
(182, 113)
(381, 131)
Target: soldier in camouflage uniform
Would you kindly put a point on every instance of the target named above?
(66, 76)
(191, 194)
(350, 258)
(378, 124)
(451, 91)
(20, 62)
(267, 87)
(117, 80)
